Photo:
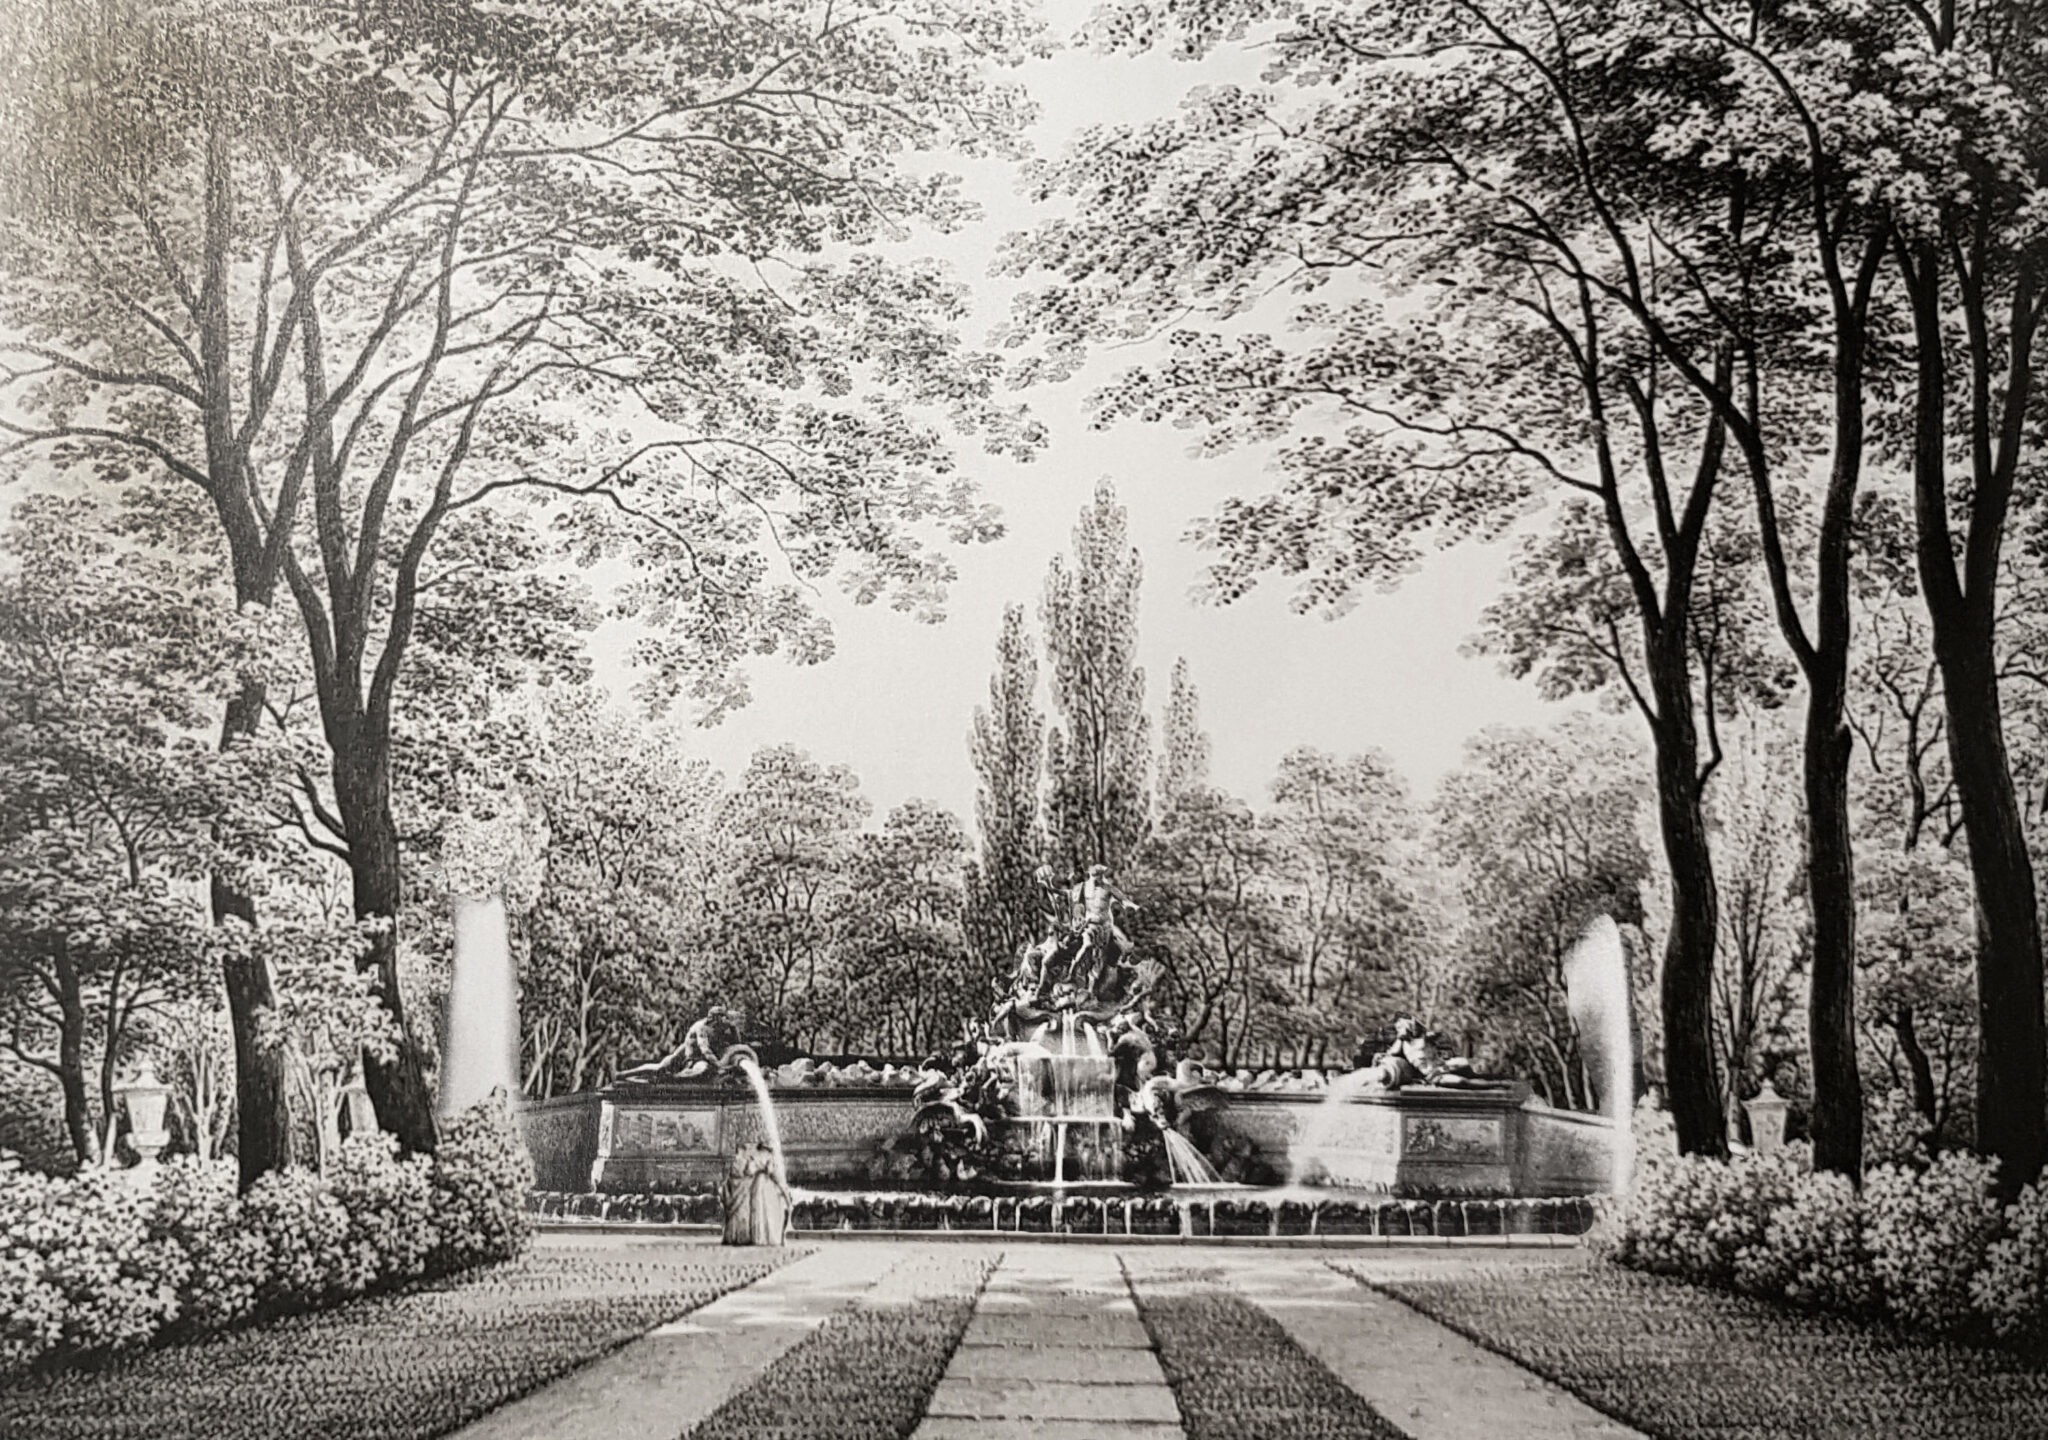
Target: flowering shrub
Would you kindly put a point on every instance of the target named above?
(1928, 1232)
(197, 1209)
(1812, 1252)
(2010, 1290)
(305, 1237)
(1694, 1215)
(481, 1175)
(390, 1206)
(100, 1262)
(1930, 1245)
(117, 1285)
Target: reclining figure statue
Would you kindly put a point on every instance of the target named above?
(710, 1046)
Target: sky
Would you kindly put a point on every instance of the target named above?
(896, 701)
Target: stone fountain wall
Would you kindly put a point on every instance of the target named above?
(1421, 1141)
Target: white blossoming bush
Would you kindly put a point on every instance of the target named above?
(482, 1172)
(2010, 1290)
(101, 1262)
(197, 1209)
(31, 1307)
(1813, 1253)
(1693, 1215)
(118, 1284)
(1928, 1232)
(305, 1233)
(390, 1206)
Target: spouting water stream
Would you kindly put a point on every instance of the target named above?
(1597, 997)
(768, 1121)
(1186, 1164)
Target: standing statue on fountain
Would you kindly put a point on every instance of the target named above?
(1103, 943)
(756, 1200)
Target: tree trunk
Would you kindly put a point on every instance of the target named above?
(2012, 1031)
(1918, 1066)
(362, 793)
(1687, 987)
(263, 1134)
(2012, 1068)
(78, 1122)
(1831, 1005)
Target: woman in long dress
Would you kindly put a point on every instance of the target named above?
(756, 1201)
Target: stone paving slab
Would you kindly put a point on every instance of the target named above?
(668, 1380)
(1023, 1328)
(1088, 1364)
(1424, 1377)
(1014, 1429)
(989, 1399)
(1055, 1351)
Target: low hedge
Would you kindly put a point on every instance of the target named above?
(111, 1260)
(1926, 1246)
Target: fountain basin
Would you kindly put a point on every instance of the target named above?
(1423, 1141)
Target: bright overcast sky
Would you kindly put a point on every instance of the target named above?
(897, 700)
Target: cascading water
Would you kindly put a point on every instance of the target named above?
(1597, 998)
(1066, 1092)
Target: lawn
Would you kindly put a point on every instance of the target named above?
(1237, 1376)
(396, 1367)
(1684, 1363)
(868, 1372)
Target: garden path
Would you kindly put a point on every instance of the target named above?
(1422, 1376)
(672, 1377)
(1056, 1349)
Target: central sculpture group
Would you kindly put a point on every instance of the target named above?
(1077, 1075)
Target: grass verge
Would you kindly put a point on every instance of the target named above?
(1236, 1375)
(868, 1372)
(1686, 1363)
(402, 1366)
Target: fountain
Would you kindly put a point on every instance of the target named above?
(1070, 1109)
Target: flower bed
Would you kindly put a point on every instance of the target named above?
(866, 1373)
(392, 1367)
(1675, 1360)
(1927, 1246)
(109, 1261)
(1237, 1376)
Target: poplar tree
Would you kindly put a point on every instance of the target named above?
(1099, 753)
(1008, 746)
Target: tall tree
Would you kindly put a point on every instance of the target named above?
(1099, 752)
(793, 825)
(1972, 251)
(628, 812)
(1447, 151)
(903, 964)
(354, 270)
(1008, 747)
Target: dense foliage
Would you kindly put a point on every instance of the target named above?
(410, 1365)
(112, 1260)
(1931, 1246)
